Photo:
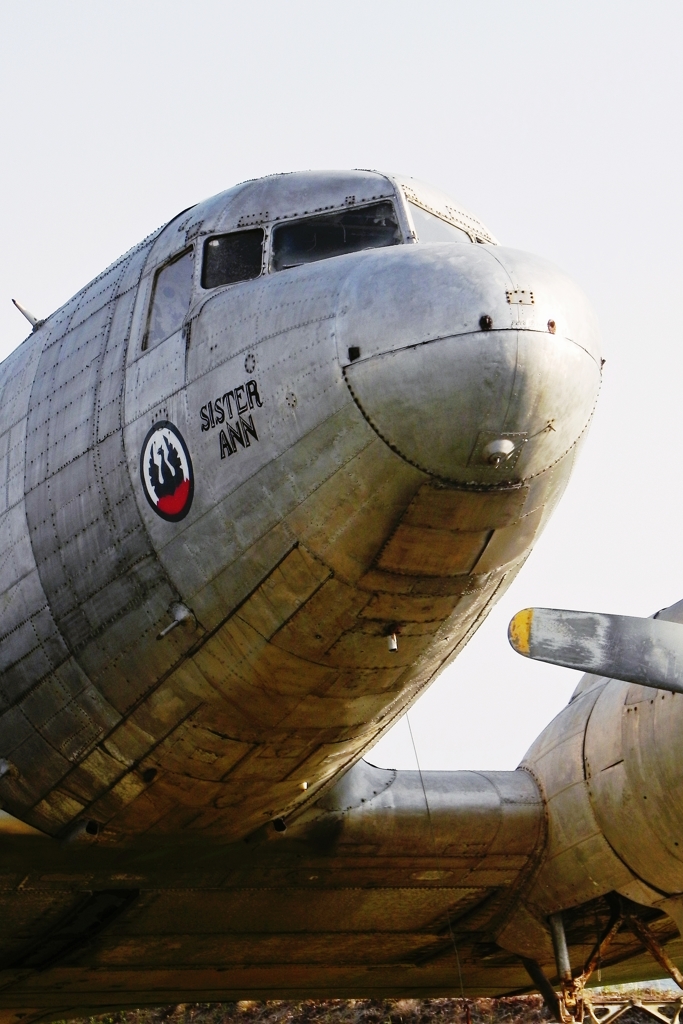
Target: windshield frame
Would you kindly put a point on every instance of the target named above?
(398, 205)
(437, 215)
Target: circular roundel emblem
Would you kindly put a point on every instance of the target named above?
(166, 472)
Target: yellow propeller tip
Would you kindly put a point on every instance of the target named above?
(519, 631)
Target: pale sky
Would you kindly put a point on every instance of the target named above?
(558, 123)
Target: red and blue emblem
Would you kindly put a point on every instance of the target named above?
(166, 472)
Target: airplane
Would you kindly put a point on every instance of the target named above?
(263, 478)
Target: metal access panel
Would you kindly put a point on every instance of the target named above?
(520, 297)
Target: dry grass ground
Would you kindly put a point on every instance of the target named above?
(514, 1010)
(527, 1009)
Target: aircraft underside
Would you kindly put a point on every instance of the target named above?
(394, 886)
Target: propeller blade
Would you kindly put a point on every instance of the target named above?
(645, 651)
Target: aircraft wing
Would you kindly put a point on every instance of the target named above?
(384, 885)
(393, 883)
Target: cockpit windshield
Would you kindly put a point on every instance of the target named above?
(334, 234)
(433, 229)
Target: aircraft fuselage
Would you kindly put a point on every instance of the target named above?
(299, 461)
(263, 478)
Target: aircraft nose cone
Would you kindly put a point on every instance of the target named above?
(478, 364)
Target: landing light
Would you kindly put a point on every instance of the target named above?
(498, 451)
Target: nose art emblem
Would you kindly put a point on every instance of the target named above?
(166, 472)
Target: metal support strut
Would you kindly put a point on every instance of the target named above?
(571, 1000)
(571, 1004)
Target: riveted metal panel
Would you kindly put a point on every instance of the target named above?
(156, 376)
(30, 644)
(631, 757)
(87, 573)
(579, 862)
(92, 559)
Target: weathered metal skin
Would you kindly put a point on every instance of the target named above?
(344, 517)
(144, 768)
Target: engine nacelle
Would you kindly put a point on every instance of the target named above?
(610, 772)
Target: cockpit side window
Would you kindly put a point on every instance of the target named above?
(170, 299)
(231, 258)
(334, 234)
(432, 229)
